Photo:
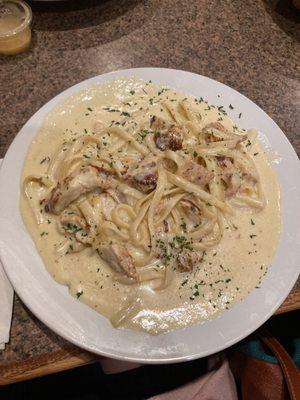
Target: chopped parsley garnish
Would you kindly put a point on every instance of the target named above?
(171, 249)
(144, 133)
(252, 222)
(183, 242)
(78, 294)
(183, 226)
(125, 113)
(221, 110)
(72, 228)
(231, 107)
(132, 92)
(110, 109)
(43, 160)
(161, 91)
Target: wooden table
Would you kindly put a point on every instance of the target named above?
(61, 355)
(251, 46)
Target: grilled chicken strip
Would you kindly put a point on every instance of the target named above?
(81, 181)
(74, 224)
(143, 175)
(118, 258)
(196, 173)
(167, 135)
(212, 136)
(229, 175)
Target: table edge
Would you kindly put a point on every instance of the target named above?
(72, 357)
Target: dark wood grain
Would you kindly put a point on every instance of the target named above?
(45, 364)
(291, 303)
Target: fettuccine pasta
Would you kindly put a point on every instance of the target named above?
(151, 189)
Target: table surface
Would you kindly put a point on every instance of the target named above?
(252, 46)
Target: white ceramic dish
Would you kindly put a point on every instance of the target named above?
(78, 323)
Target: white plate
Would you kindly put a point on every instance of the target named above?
(78, 323)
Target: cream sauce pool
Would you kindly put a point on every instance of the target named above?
(227, 273)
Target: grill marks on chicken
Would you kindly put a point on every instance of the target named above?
(167, 136)
(83, 180)
(118, 257)
(143, 175)
(196, 173)
(74, 224)
(232, 175)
